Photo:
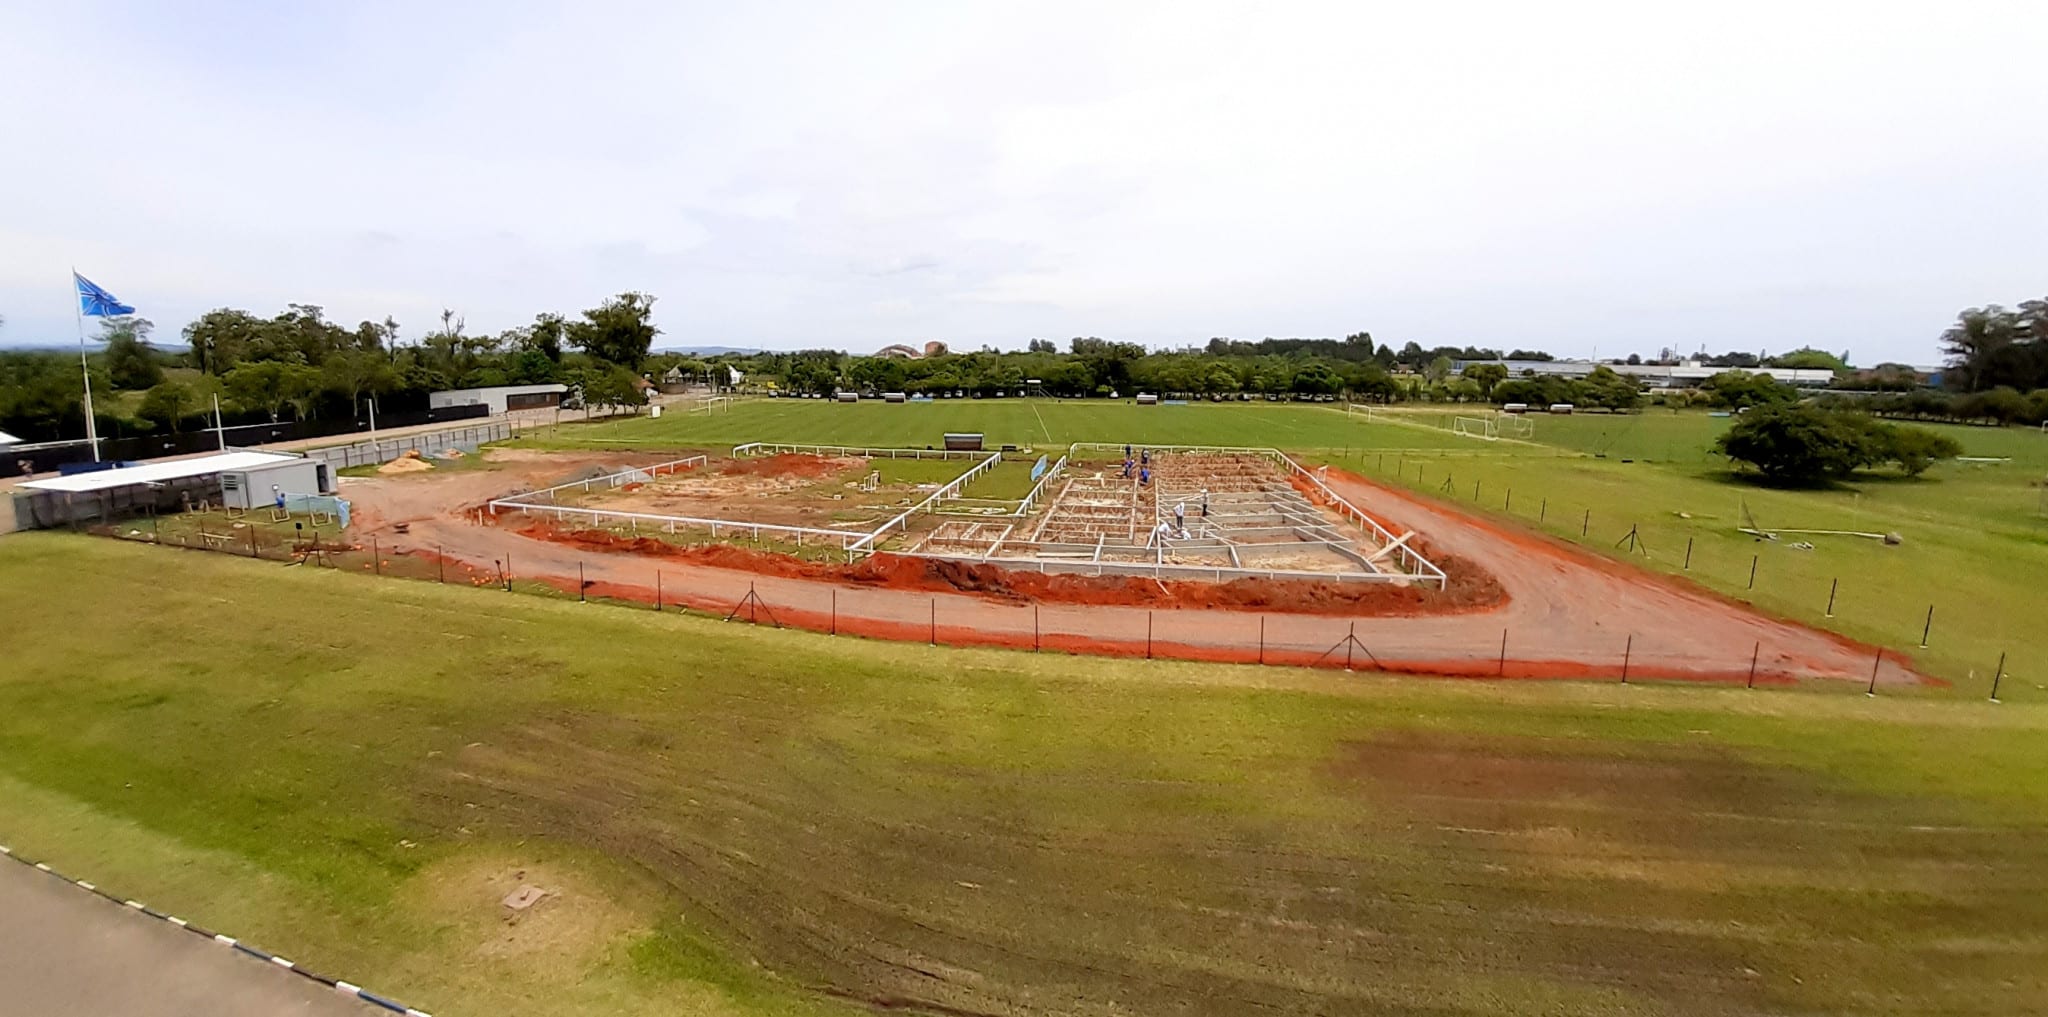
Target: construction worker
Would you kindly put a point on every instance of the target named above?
(1205, 503)
(1127, 466)
(1144, 476)
(1180, 515)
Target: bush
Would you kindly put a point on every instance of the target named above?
(1801, 444)
(1914, 449)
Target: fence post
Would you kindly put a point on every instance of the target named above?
(440, 564)
(1996, 675)
(935, 621)
(1262, 636)
(1503, 653)
(1929, 627)
(1872, 690)
(1688, 554)
(1833, 585)
(252, 540)
(508, 572)
(580, 582)
(1627, 652)
(1148, 635)
(1752, 571)
(1754, 652)
(1034, 628)
(657, 591)
(1543, 510)
(1587, 524)
(376, 553)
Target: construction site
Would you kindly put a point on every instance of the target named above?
(1181, 512)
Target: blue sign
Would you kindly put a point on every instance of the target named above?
(1037, 469)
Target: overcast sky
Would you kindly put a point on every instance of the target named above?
(1572, 177)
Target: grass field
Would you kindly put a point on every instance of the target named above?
(747, 821)
(1976, 535)
(1044, 424)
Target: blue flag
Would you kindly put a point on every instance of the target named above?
(98, 303)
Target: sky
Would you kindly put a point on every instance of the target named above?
(1583, 178)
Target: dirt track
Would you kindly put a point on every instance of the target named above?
(1566, 613)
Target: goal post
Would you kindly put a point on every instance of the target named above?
(1475, 427)
(1515, 425)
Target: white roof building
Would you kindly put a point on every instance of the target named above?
(8, 439)
(157, 472)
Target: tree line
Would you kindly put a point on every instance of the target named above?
(297, 364)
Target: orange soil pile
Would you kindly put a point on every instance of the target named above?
(1470, 589)
(793, 464)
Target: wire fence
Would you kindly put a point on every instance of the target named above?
(1458, 646)
(383, 450)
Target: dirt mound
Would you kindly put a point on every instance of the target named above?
(407, 463)
(793, 464)
(1471, 590)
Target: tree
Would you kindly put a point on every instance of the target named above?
(169, 403)
(356, 372)
(1798, 444)
(545, 336)
(269, 386)
(1808, 358)
(1042, 346)
(131, 364)
(618, 331)
(1739, 389)
(1915, 449)
(1979, 335)
(222, 338)
(610, 386)
(1610, 389)
(1486, 376)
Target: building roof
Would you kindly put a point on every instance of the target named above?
(506, 389)
(158, 472)
(8, 439)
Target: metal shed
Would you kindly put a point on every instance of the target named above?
(261, 486)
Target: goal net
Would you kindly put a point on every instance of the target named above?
(1366, 410)
(1475, 427)
(1515, 425)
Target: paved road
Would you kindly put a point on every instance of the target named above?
(67, 952)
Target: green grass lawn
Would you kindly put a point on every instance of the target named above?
(1047, 425)
(749, 821)
(1975, 539)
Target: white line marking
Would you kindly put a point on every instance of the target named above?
(223, 940)
(175, 920)
(348, 990)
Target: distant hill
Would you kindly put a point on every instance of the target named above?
(705, 351)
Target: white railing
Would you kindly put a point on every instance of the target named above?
(1382, 536)
(950, 490)
(1415, 563)
(632, 475)
(597, 517)
(1024, 507)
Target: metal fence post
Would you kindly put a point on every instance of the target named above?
(1754, 652)
(1627, 652)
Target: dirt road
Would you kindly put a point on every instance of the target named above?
(1567, 613)
(66, 951)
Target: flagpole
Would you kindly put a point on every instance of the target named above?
(92, 427)
(220, 433)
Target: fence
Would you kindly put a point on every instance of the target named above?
(609, 481)
(951, 489)
(775, 448)
(383, 450)
(1389, 644)
(51, 455)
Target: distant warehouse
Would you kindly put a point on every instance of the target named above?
(500, 398)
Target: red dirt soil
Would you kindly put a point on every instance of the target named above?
(791, 464)
(1542, 609)
(1474, 590)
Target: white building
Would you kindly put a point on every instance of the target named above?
(500, 398)
(1657, 376)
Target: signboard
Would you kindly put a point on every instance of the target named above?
(1038, 469)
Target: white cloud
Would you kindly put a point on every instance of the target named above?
(1619, 175)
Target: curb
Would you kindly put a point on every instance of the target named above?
(345, 988)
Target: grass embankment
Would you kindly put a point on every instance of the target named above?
(353, 772)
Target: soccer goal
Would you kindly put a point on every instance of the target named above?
(1475, 427)
(1366, 410)
(1515, 425)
